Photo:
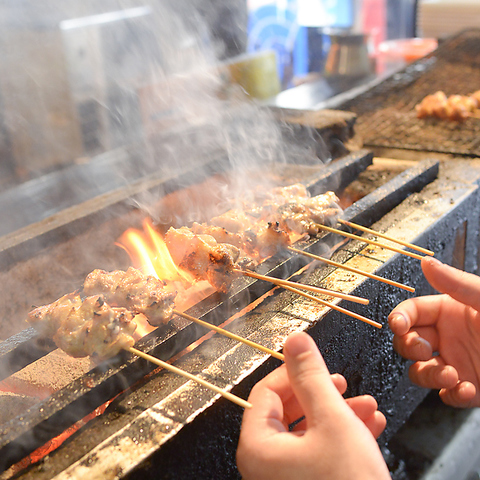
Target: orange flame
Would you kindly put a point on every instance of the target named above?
(149, 253)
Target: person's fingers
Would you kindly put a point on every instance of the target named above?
(460, 285)
(292, 408)
(309, 377)
(367, 411)
(267, 398)
(418, 311)
(462, 395)
(416, 345)
(340, 382)
(364, 406)
(433, 374)
(376, 423)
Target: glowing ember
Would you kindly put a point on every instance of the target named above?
(55, 442)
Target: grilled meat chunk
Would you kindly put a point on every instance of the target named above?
(234, 221)
(304, 216)
(220, 234)
(455, 107)
(266, 239)
(203, 256)
(48, 318)
(133, 290)
(88, 327)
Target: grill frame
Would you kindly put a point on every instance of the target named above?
(44, 421)
(207, 442)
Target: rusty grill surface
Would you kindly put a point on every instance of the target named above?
(386, 112)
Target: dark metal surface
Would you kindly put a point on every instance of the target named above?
(50, 417)
(386, 112)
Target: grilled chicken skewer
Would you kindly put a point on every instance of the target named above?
(455, 107)
(92, 327)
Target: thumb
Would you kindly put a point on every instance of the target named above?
(309, 377)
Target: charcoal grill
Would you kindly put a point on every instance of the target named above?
(157, 425)
(157, 422)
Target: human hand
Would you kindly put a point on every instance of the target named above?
(334, 441)
(448, 325)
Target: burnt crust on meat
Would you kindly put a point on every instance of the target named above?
(134, 291)
(85, 327)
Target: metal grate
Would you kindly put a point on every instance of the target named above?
(386, 112)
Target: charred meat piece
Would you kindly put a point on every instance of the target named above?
(88, 327)
(304, 217)
(265, 240)
(455, 107)
(223, 236)
(133, 290)
(203, 256)
(234, 221)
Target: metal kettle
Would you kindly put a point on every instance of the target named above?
(348, 55)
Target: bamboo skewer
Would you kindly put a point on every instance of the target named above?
(352, 269)
(334, 307)
(229, 396)
(367, 240)
(386, 237)
(231, 335)
(302, 286)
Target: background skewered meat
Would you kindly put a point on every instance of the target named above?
(88, 327)
(242, 238)
(133, 290)
(476, 97)
(454, 107)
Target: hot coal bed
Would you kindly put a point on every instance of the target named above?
(158, 425)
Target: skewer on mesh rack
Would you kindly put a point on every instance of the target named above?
(367, 240)
(231, 335)
(229, 396)
(334, 307)
(302, 286)
(453, 107)
(386, 237)
(352, 269)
